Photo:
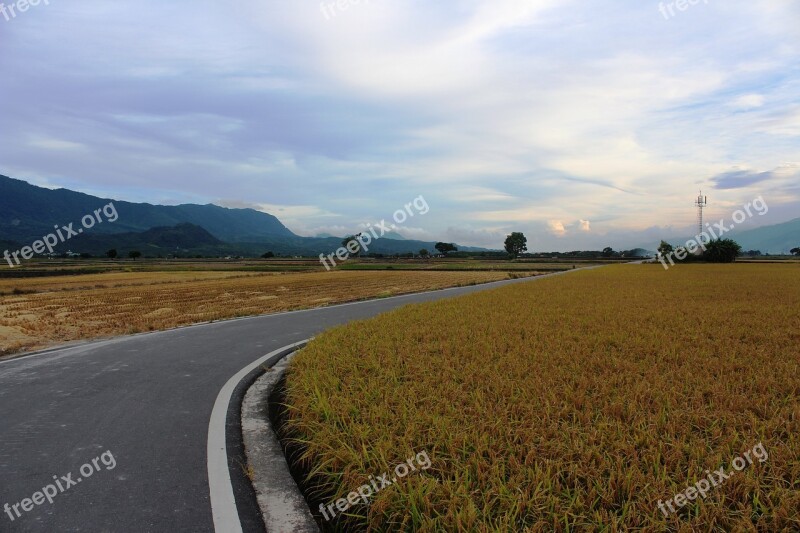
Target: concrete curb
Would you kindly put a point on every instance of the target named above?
(283, 507)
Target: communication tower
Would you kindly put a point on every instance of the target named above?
(701, 202)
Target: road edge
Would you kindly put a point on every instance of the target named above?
(283, 506)
(222, 496)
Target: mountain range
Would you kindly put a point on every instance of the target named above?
(28, 212)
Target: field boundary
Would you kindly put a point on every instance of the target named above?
(283, 505)
(221, 462)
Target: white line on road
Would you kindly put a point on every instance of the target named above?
(223, 501)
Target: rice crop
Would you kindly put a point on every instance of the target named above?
(574, 403)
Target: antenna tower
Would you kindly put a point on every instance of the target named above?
(701, 202)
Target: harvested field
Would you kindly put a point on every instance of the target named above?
(574, 403)
(37, 312)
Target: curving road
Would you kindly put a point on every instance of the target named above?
(132, 414)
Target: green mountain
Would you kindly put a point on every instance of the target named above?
(183, 238)
(29, 212)
(776, 239)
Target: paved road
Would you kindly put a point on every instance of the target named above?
(147, 400)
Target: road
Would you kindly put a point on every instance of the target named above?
(139, 406)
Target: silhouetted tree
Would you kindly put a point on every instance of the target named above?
(516, 244)
(357, 246)
(445, 247)
(722, 251)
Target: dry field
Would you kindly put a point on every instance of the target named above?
(574, 403)
(37, 312)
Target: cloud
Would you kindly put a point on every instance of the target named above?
(748, 101)
(737, 179)
(556, 227)
(585, 225)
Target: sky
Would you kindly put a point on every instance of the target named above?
(583, 124)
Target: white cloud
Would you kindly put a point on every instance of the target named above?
(556, 227)
(748, 101)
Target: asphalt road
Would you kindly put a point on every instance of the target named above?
(145, 399)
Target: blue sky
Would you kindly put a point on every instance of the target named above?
(581, 123)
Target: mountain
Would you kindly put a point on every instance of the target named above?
(29, 212)
(9, 245)
(393, 235)
(155, 241)
(775, 239)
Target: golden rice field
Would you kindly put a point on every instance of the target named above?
(37, 312)
(573, 403)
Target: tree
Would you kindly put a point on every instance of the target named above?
(753, 253)
(133, 254)
(112, 253)
(665, 248)
(444, 247)
(423, 253)
(722, 251)
(268, 255)
(353, 244)
(608, 251)
(516, 244)
(795, 251)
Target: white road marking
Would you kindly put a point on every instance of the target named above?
(223, 502)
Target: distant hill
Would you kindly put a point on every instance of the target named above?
(29, 212)
(189, 240)
(164, 241)
(393, 235)
(9, 245)
(776, 239)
